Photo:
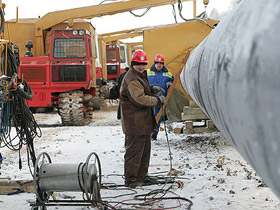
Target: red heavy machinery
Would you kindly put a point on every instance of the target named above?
(62, 72)
(64, 78)
(117, 52)
(113, 61)
(116, 59)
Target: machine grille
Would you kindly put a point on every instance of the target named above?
(69, 73)
(112, 69)
(34, 74)
(69, 48)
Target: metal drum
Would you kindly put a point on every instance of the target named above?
(50, 177)
(65, 177)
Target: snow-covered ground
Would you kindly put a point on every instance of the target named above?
(215, 176)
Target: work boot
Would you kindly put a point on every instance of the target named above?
(151, 180)
(134, 184)
(154, 136)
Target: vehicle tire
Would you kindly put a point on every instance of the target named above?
(71, 108)
(96, 103)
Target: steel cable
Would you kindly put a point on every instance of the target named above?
(199, 17)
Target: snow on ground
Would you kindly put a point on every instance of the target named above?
(215, 176)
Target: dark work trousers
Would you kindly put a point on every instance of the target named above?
(137, 157)
(156, 111)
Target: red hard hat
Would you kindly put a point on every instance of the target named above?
(159, 58)
(139, 56)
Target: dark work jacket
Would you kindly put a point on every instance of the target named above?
(119, 82)
(136, 102)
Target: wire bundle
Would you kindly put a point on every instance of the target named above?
(200, 17)
(18, 125)
(148, 200)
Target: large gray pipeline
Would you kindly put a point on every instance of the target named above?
(234, 76)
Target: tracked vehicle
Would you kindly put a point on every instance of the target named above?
(64, 78)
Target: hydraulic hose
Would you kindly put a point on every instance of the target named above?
(2, 27)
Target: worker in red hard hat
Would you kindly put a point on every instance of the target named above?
(159, 59)
(159, 75)
(138, 122)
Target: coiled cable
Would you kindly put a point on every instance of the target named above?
(15, 111)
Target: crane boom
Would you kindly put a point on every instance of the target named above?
(122, 36)
(54, 18)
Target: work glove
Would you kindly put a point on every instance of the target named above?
(168, 84)
(158, 90)
(162, 99)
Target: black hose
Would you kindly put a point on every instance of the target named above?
(199, 17)
(16, 111)
(12, 63)
(26, 91)
(2, 27)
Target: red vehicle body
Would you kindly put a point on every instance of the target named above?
(113, 61)
(63, 78)
(69, 67)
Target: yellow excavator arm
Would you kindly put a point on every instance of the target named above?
(54, 18)
(109, 39)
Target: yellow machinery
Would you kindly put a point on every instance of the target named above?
(56, 81)
(174, 41)
(35, 28)
(38, 29)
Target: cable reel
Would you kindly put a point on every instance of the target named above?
(59, 177)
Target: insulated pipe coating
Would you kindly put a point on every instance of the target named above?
(234, 76)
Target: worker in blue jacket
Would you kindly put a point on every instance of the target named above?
(158, 75)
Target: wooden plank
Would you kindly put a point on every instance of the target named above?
(193, 113)
(7, 186)
(193, 104)
(200, 116)
(191, 129)
(178, 130)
